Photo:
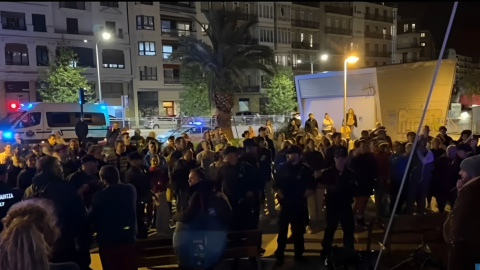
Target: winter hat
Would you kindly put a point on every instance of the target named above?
(471, 165)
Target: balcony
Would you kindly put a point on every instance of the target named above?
(167, 32)
(72, 5)
(409, 46)
(172, 81)
(305, 45)
(378, 35)
(378, 18)
(338, 31)
(251, 89)
(187, 7)
(378, 54)
(339, 10)
(308, 4)
(64, 31)
(305, 24)
(248, 16)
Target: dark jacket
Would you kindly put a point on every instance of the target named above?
(203, 198)
(292, 181)
(113, 215)
(365, 168)
(462, 227)
(340, 187)
(139, 179)
(329, 161)
(310, 125)
(314, 160)
(120, 162)
(80, 178)
(25, 178)
(354, 119)
(180, 173)
(112, 136)
(8, 197)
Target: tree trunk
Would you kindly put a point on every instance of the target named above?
(223, 106)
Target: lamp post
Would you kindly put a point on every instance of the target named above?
(349, 60)
(105, 36)
(324, 57)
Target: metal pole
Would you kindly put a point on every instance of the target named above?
(123, 111)
(98, 75)
(345, 96)
(311, 64)
(437, 67)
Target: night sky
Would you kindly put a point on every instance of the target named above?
(434, 16)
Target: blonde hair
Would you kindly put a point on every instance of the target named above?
(30, 231)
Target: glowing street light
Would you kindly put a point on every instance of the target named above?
(349, 60)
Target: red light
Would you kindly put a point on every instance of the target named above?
(13, 106)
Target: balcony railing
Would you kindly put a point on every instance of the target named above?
(308, 4)
(338, 31)
(409, 46)
(378, 35)
(251, 89)
(167, 32)
(305, 45)
(306, 24)
(379, 18)
(85, 33)
(248, 16)
(378, 54)
(339, 10)
(172, 80)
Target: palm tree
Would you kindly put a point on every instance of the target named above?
(225, 60)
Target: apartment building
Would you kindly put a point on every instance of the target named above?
(413, 44)
(465, 64)
(31, 31)
(156, 29)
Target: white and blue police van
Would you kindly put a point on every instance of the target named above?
(36, 121)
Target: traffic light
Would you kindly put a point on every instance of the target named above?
(13, 105)
(81, 96)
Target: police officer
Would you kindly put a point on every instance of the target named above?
(239, 182)
(294, 182)
(339, 183)
(8, 196)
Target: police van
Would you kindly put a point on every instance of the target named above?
(36, 121)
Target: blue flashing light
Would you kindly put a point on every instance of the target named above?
(103, 107)
(7, 135)
(30, 106)
(22, 105)
(197, 123)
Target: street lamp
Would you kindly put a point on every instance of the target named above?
(105, 36)
(324, 57)
(349, 60)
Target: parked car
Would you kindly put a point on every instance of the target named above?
(246, 117)
(157, 122)
(195, 133)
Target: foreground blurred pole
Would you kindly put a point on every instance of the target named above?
(439, 61)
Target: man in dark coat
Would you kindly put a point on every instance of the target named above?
(8, 195)
(462, 227)
(294, 182)
(311, 124)
(112, 134)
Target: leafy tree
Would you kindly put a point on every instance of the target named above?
(281, 92)
(470, 84)
(224, 61)
(195, 92)
(63, 78)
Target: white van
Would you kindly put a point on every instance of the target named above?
(36, 121)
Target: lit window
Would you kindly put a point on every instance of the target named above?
(301, 37)
(405, 27)
(413, 27)
(311, 40)
(422, 34)
(422, 44)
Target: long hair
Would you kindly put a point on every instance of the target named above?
(29, 232)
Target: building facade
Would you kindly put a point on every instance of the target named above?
(31, 32)
(413, 44)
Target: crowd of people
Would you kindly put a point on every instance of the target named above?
(173, 189)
